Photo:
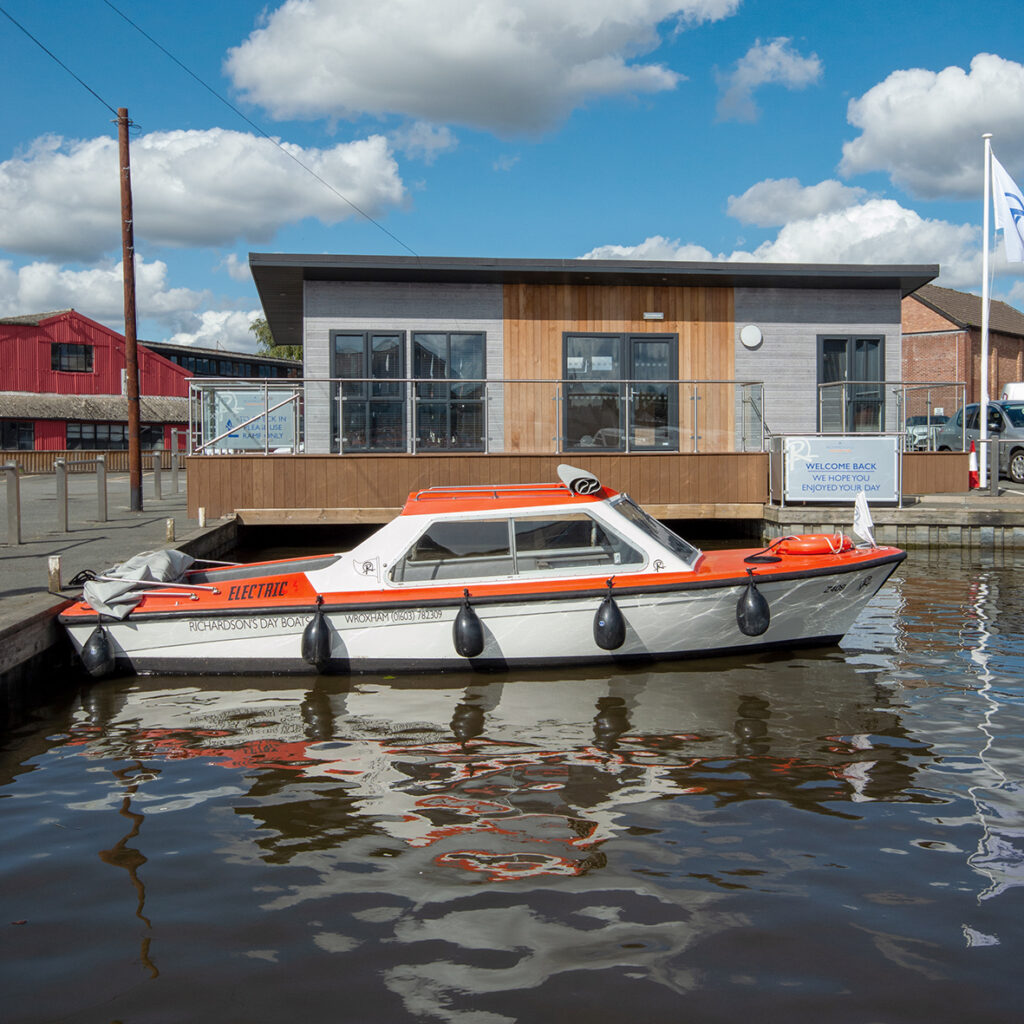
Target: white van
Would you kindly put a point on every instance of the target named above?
(1013, 392)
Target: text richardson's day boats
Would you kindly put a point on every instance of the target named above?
(480, 577)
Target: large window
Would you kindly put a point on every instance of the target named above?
(450, 413)
(111, 436)
(17, 435)
(555, 543)
(853, 368)
(70, 358)
(620, 392)
(369, 413)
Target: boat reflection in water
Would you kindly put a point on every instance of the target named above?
(409, 795)
(513, 779)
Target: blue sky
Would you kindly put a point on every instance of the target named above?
(768, 130)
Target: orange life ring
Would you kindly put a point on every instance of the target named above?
(814, 544)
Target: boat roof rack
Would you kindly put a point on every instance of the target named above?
(477, 491)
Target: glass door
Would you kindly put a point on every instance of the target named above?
(653, 407)
(867, 399)
(373, 404)
(853, 370)
(594, 414)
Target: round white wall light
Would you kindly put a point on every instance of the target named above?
(751, 336)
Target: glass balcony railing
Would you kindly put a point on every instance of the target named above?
(530, 417)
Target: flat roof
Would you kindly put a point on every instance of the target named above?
(219, 353)
(279, 277)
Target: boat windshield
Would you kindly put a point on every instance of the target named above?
(661, 533)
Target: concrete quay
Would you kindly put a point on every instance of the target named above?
(34, 652)
(974, 520)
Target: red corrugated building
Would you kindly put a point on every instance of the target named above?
(61, 386)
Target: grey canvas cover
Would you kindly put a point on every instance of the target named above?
(117, 597)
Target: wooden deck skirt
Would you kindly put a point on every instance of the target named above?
(371, 488)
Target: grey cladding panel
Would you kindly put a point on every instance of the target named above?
(791, 321)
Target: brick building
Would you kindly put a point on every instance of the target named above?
(942, 340)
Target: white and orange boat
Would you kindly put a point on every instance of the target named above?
(480, 578)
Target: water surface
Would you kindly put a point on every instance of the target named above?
(835, 835)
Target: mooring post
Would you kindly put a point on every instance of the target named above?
(53, 574)
(175, 458)
(101, 488)
(60, 470)
(993, 467)
(169, 531)
(13, 503)
(158, 460)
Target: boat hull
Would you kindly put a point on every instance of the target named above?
(696, 619)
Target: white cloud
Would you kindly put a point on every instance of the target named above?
(60, 199)
(657, 247)
(774, 202)
(423, 141)
(924, 128)
(771, 63)
(505, 162)
(876, 231)
(506, 66)
(224, 329)
(97, 292)
(238, 269)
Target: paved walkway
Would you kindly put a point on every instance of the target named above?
(88, 543)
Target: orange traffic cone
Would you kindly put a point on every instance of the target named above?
(972, 469)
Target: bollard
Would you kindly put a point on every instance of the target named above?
(174, 471)
(158, 459)
(53, 573)
(60, 470)
(202, 516)
(993, 467)
(13, 503)
(101, 488)
(169, 524)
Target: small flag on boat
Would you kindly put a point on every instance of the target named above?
(972, 469)
(862, 522)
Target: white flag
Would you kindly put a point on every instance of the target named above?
(862, 522)
(1009, 212)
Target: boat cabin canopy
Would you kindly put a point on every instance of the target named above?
(574, 527)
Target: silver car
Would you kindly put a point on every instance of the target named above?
(922, 431)
(1005, 424)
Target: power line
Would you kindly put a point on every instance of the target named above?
(54, 57)
(255, 127)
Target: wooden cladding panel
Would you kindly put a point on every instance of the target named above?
(935, 472)
(223, 483)
(537, 316)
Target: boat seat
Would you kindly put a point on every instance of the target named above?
(451, 569)
(564, 558)
(246, 572)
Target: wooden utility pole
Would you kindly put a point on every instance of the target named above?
(131, 349)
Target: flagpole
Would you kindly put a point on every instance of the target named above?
(983, 413)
